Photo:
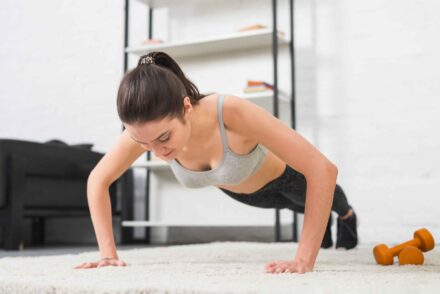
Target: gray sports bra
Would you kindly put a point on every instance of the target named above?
(233, 169)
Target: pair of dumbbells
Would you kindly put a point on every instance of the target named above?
(409, 252)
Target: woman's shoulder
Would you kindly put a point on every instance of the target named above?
(232, 105)
(242, 115)
(233, 108)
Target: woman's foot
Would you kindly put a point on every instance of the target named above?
(327, 242)
(347, 231)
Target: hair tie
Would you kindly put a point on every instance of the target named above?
(147, 60)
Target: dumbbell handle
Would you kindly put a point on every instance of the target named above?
(396, 249)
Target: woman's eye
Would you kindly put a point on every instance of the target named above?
(164, 139)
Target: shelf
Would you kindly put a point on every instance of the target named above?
(169, 3)
(163, 3)
(265, 95)
(219, 44)
(155, 164)
(182, 224)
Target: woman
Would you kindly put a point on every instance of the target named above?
(225, 141)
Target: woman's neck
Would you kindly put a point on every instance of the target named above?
(199, 121)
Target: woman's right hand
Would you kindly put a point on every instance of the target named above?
(101, 263)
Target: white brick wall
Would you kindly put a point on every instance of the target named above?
(367, 86)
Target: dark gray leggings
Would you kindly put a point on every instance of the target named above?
(288, 191)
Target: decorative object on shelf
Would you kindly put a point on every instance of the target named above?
(152, 41)
(255, 27)
(252, 27)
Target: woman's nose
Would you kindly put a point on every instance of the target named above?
(159, 151)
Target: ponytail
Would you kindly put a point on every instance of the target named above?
(164, 60)
(154, 90)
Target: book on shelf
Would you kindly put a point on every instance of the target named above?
(256, 89)
(253, 86)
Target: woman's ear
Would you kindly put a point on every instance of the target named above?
(187, 106)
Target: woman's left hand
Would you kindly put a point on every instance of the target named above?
(287, 266)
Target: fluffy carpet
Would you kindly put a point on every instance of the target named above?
(220, 267)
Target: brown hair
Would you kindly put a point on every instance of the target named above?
(154, 90)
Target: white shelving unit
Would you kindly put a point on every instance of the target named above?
(225, 43)
(168, 3)
(267, 95)
(154, 164)
(237, 41)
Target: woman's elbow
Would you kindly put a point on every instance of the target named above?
(320, 170)
(92, 178)
(96, 180)
(331, 169)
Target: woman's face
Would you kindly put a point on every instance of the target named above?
(166, 137)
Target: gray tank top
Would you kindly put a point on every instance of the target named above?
(233, 169)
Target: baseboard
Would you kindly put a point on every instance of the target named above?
(185, 235)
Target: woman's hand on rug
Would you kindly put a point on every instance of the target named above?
(101, 263)
(287, 266)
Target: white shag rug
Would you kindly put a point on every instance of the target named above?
(219, 267)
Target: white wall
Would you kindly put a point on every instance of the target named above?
(367, 88)
(377, 115)
(60, 64)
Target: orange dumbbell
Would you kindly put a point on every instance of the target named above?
(411, 255)
(422, 240)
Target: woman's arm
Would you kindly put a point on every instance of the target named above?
(100, 211)
(255, 122)
(319, 198)
(112, 165)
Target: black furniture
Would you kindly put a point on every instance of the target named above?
(41, 180)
